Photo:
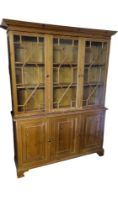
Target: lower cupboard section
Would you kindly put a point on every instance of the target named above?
(39, 141)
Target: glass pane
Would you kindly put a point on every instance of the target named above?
(94, 72)
(29, 64)
(65, 54)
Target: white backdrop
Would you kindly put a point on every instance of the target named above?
(89, 182)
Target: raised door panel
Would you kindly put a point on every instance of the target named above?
(92, 134)
(64, 137)
(34, 142)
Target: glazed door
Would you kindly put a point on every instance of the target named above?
(92, 131)
(65, 68)
(28, 71)
(95, 70)
(63, 137)
(34, 135)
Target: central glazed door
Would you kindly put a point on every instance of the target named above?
(65, 68)
(63, 138)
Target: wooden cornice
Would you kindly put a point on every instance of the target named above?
(16, 25)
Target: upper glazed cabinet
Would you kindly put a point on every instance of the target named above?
(55, 72)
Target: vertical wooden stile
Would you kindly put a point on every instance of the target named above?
(48, 72)
(80, 72)
(12, 69)
(106, 70)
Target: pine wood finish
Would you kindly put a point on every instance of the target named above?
(92, 131)
(58, 81)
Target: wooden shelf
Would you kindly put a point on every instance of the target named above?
(61, 106)
(93, 65)
(64, 85)
(29, 63)
(29, 86)
(65, 64)
(94, 84)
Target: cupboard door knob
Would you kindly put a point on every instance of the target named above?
(51, 140)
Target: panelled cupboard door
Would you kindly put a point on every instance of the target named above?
(92, 131)
(34, 136)
(63, 141)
